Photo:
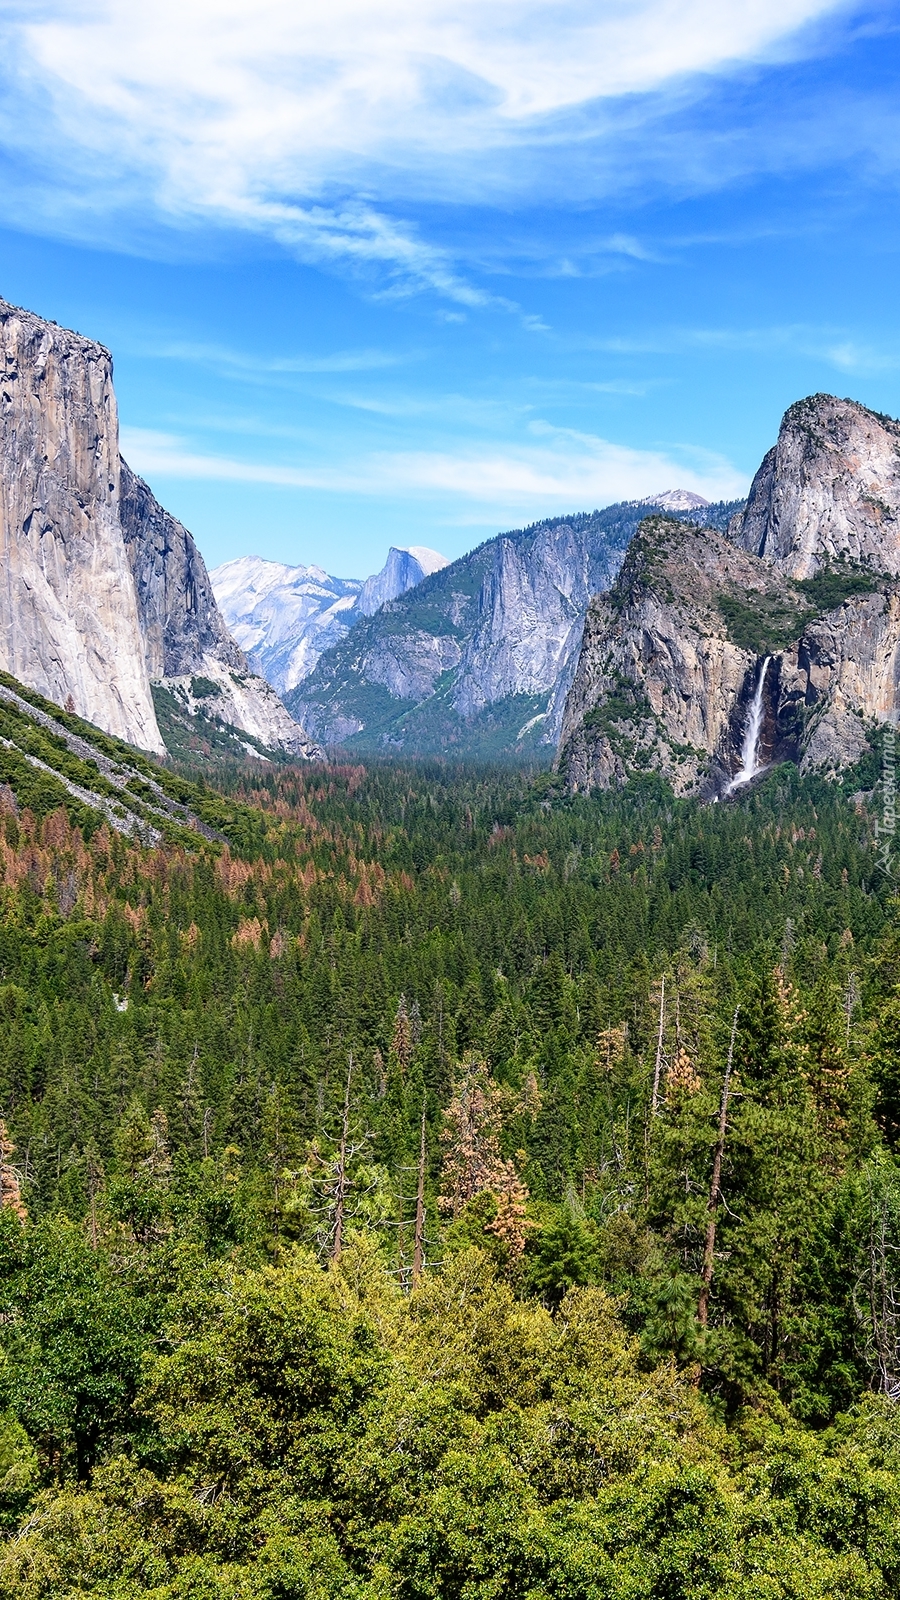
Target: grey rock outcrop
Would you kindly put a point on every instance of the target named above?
(801, 600)
(676, 500)
(102, 594)
(659, 679)
(828, 492)
(283, 616)
(404, 568)
(69, 623)
(180, 621)
(189, 651)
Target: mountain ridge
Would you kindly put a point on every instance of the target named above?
(285, 616)
(477, 658)
(801, 599)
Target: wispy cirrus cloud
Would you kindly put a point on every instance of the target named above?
(308, 124)
(222, 358)
(834, 346)
(554, 467)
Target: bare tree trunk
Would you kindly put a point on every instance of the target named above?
(418, 1265)
(883, 1279)
(340, 1188)
(654, 1100)
(709, 1253)
(654, 1095)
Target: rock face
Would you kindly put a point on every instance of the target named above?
(189, 651)
(828, 492)
(180, 621)
(659, 679)
(476, 658)
(801, 601)
(285, 617)
(69, 622)
(103, 594)
(404, 568)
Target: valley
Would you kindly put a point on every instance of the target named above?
(361, 1105)
(448, 1118)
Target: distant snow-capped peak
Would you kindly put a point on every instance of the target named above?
(285, 616)
(675, 500)
(406, 566)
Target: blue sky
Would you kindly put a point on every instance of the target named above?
(419, 272)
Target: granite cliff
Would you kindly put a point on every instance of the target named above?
(477, 657)
(828, 491)
(791, 623)
(286, 616)
(404, 568)
(69, 623)
(104, 596)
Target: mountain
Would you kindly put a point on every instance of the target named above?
(829, 491)
(476, 659)
(105, 603)
(53, 761)
(711, 656)
(401, 572)
(284, 617)
(69, 623)
(676, 500)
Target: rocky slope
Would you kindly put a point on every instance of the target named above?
(285, 617)
(103, 594)
(801, 602)
(52, 760)
(198, 672)
(476, 658)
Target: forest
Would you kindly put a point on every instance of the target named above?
(421, 1184)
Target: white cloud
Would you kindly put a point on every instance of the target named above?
(557, 468)
(223, 359)
(256, 113)
(829, 345)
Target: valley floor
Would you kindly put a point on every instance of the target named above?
(360, 1234)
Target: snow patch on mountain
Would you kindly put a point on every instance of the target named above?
(676, 500)
(284, 617)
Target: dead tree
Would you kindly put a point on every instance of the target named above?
(654, 1094)
(657, 1069)
(338, 1182)
(341, 1180)
(709, 1253)
(418, 1265)
(11, 1178)
(95, 1175)
(877, 1294)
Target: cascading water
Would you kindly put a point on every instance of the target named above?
(750, 763)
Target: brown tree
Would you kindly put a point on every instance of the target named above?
(474, 1163)
(10, 1176)
(402, 1037)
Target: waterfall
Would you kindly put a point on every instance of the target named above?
(750, 764)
